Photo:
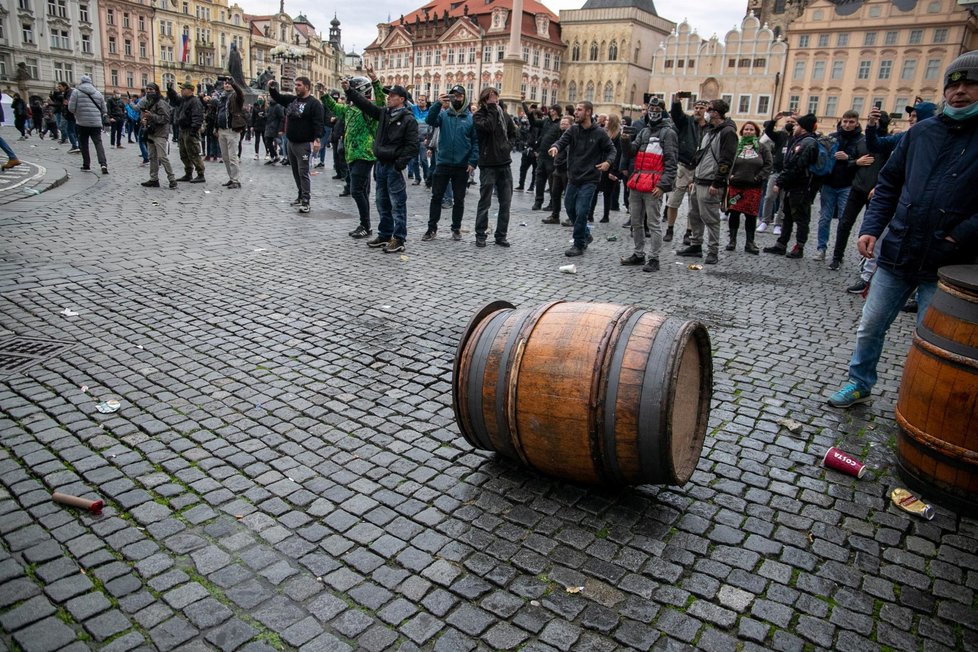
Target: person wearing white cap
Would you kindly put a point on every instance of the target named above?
(925, 196)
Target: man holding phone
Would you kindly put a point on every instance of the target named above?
(690, 129)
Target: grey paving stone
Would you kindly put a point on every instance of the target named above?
(26, 613)
(107, 624)
(231, 635)
(44, 636)
(207, 613)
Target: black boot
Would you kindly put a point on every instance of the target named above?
(733, 242)
(669, 234)
(687, 236)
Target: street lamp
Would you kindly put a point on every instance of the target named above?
(288, 55)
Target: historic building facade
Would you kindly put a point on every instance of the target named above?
(745, 69)
(446, 43)
(49, 41)
(292, 47)
(778, 14)
(609, 52)
(127, 44)
(853, 55)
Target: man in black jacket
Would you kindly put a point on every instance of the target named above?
(690, 129)
(496, 132)
(395, 144)
(189, 116)
(548, 128)
(796, 183)
(779, 145)
(304, 116)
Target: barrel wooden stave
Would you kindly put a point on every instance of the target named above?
(937, 408)
(544, 382)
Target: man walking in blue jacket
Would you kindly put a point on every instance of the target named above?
(925, 195)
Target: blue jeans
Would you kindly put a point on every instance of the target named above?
(833, 202)
(323, 141)
(6, 149)
(577, 202)
(420, 164)
(72, 132)
(391, 201)
(887, 294)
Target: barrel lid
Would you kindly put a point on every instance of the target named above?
(962, 276)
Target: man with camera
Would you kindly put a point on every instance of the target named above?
(395, 144)
(456, 158)
(230, 123)
(304, 124)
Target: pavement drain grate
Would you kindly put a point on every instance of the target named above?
(19, 353)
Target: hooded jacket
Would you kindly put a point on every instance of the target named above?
(359, 129)
(925, 193)
(843, 172)
(586, 149)
(87, 104)
(458, 145)
(396, 141)
(496, 132)
(656, 154)
(548, 131)
(779, 143)
(690, 134)
(801, 152)
(274, 115)
(156, 112)
(716, 154)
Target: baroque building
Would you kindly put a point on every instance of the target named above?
(50, 40)
(609, 52)
(746, 69)
(853, 55)
(448, 42)
(291, 48)
(127, 44)
(778, 14)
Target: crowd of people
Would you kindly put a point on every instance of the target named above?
(916, 187)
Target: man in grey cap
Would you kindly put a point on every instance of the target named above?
(155, 121)
(926, 195)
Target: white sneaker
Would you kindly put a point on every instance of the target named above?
(256, 157)
(762, 227)
(777, 230)
(820, 254)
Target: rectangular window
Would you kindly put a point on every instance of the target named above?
(526, 54)
(823, 40)
(32, 68)
(731, 63)
(438, 57)
(27, 34)
(909, 70)
(487, 54)
(728, 99)
(450, 59)
(546, 61)
(129, 79)
(763, 104)
(794, 101)
(114, 77)
(113, 49)
(680, 63)
(536, 57)
(813, 104)
(142, 24)
(818, 70)
(110, 18)
(831, 105)
(940, 35)
(901, 104)
(83, 13)
(144, 80)
(803, 41)
(838, 68)
(890, 38)
(24, 4)
(125, 19)
(758, 63)
(865, 68)
(886, 67)
(64, 72)
(533, 92)
(743, 104)
(557, 63)
(127, 47)
(858, 104)
(86, 43)
(878, 100)
(427, 57)
(933, 70)
(500, 52)
(916, 36)
(417, 59)
(869, 38)
(471, 58)
(61, 39)
(799, 72)
(842, 40)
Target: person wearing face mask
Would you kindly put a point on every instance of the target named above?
(656, 159)
(748, 176)
(456, 156)
(835, 187)
(773, 208)
(714, 158)
(154, 120)
(395, 144)
(925, 199)
(796, 181)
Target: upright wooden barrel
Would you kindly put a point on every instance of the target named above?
(591, 392)
(937, 410)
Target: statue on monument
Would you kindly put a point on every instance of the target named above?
(234, 65)
(264, 78)
(22, 76)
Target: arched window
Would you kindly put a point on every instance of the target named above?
(609, 92)
(589, 92)
(576, 52)
(572, 92)
(593, 55)
(613, 52)
(638, 52)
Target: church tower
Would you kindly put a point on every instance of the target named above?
(776, 14)
(334, 32)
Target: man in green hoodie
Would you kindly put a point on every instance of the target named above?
(358, 141)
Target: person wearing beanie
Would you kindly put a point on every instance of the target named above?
(155, 122)
(88, 107)
(714, 158)
(925, 201)
(796, 181)
(851, 154)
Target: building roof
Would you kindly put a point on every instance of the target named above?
(644, 5)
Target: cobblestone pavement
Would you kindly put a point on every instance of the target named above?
(285, 470)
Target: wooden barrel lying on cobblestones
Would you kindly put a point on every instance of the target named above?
(591, 392)
(937, 410)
